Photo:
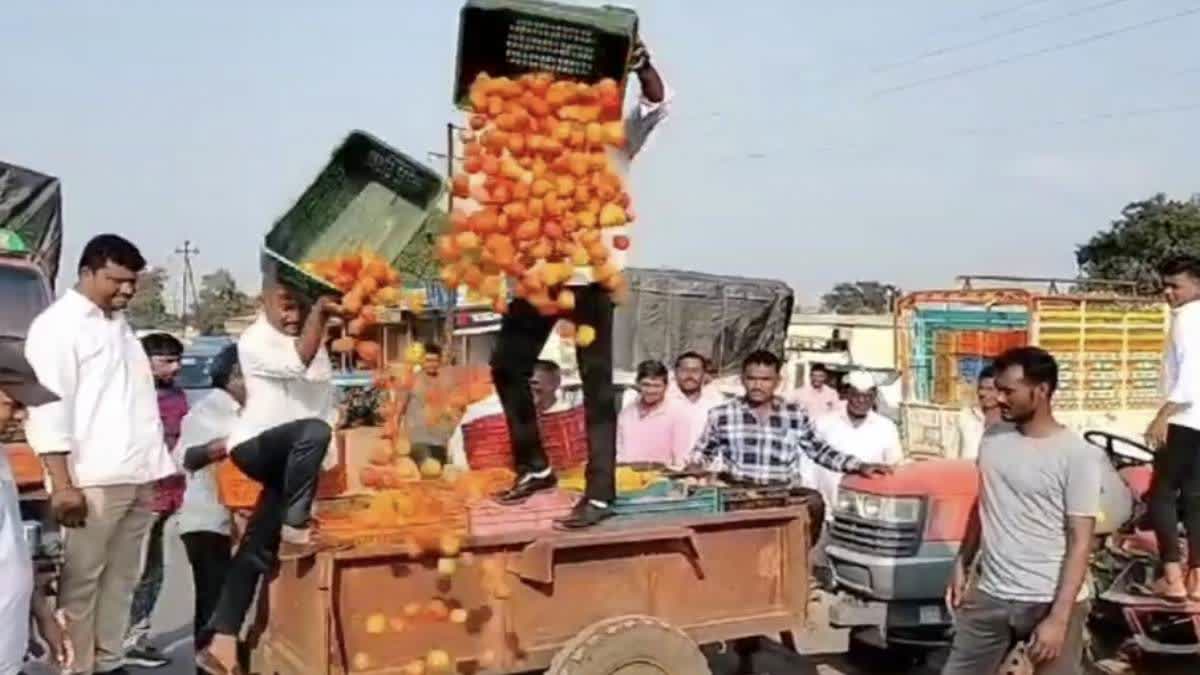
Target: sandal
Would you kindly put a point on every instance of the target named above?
(1165, 590)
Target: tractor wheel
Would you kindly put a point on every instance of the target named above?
(630, 645)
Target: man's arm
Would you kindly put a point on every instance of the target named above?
(653, 105)
(1050, 634)
(710, 443)
(312, 334)
(50, 427)
(967, 550)
(812, 444)
(1183, 392)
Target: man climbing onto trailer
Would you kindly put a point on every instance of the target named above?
(523, 333)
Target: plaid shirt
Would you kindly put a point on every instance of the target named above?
(760, 453)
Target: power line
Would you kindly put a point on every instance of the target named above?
(1062, 46)
(942, 51)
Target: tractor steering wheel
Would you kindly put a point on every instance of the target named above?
(1136, 454)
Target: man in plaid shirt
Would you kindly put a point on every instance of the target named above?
(759, 438)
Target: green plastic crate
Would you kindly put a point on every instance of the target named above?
(685, 502)
(514, 37)
(369, 195)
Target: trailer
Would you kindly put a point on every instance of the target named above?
(641, 594)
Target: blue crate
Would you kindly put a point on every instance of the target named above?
(689, 502)
(969, 367)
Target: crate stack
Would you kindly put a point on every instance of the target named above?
(1109, 352)
(951, 346)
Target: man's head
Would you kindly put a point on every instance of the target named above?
(860, 394)
(1181, 279)
(985, 389)
(165, 353)
(432, 363)
(689, 372)
(226, 373)
(19, 387)
(108, 270)
(651, 382)
(818, 376)
(1026, 378)
(760, 376)
(544, 384)
(286, 309)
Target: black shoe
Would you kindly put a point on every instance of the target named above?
(144, 656)
(526, 487)
(116, 671)
(584, 514)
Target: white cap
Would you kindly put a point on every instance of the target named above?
(861, 380)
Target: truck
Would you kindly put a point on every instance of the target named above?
(893, 540)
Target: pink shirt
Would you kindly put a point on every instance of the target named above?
(817, 402)
(660, 435)
(696, 411)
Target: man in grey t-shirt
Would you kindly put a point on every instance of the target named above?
(1039, 499)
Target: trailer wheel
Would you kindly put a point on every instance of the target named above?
(630, 645)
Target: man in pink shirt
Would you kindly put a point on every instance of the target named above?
(817, 398)
(693, 393)
(654, 429)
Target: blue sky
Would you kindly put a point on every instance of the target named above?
(786, 156)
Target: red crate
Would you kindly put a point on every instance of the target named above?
(564, 436)
(537, 513)
(990, 343)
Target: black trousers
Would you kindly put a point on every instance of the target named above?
(208, 553)
(523, 333)
(1175, 489)
(286, 460)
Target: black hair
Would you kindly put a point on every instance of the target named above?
(1037, 365)
(691, 355)
(432, 349)
(1181, 264)
(762, 357)
(818, 368)
(223, 366)
(162, 344)
(988, 373)
(546, 366)
(653, 370)
(106, 248)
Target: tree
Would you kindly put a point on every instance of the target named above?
(148, 309)
(860, 297)
(1147, 233)
(219, 300)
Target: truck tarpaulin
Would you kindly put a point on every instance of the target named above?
(722, 317)
(31, 208)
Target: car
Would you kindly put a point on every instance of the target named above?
(197, 356)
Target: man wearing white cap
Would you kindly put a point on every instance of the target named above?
(855, 430)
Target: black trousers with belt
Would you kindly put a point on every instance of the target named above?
(1175, 489)
(286, 460)
(523, 333)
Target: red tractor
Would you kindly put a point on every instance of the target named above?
(894, 539)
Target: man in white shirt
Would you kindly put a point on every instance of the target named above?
(205, 524)
(1175, 433)
(101, 444)
(858, 431)
(281, 440)
(19, 390)
(523, 333)
(694, 393)
(977, 419)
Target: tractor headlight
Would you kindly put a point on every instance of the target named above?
(866, 506)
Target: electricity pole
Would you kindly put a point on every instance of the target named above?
(187, 252)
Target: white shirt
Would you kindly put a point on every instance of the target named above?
(456, 450)
(16, 569)
(875, 440)
(213, 417)
(107, 419)
(639, 124)
(279, 387)
(1181, 364)
(970, 432)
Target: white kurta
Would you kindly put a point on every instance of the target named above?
(16, 575)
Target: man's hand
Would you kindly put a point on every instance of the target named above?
(639, 56)
(1047, 640)
(956, 590)
(328, 306)
(1156, 433)
(872, 470)
(69, 506)
(217, 450)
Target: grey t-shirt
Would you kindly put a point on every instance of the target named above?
(1029, 488)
